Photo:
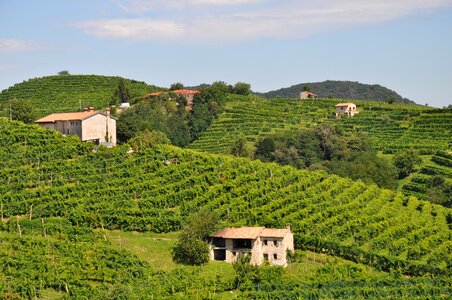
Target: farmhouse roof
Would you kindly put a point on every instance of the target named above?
(239, 233)
(72, 116)
(309, 93)
(251, 233)
(345, 104)
(272, 232)
(181, 92)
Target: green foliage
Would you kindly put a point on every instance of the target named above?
(368, 167)
(192, 248)
(339, 89)
(64, 72)
(241, 148)
(69, 93)
(242, 88)
(122, 93)
(250, 277)
(22, 110)
(147, 139)
(405, 161)
(176, 86)
(56, 176)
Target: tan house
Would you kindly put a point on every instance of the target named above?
(187, 94)
(88, 125)
(308, 95)
(263, 244)
(345, 109)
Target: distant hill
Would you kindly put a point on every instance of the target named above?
(339, 89)
(62, 93)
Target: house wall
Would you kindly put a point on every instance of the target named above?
(95, 128)
(258, 249)
(350, 111)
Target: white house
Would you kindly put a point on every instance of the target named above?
(89, 125)
(345, 109)
(263, 244)
(308, 95)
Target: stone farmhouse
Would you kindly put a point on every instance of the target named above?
(345, 109)
(308, 95)
(89, 125)
(263, 244)
(187, 94)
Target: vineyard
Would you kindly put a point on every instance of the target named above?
(45, 174)
(391, 126)
(66, 93)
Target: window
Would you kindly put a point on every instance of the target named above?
(275, 256)
(265, 256)
(234, 253)
(265, 242)
(275, 243)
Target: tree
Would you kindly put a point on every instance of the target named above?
(191, 247)
(306, 88)
(122, 92)
(242, 88)
(176, 86)
(64, 72)
(22, 110)
(405, 161)
(241, 148)
(147, 139)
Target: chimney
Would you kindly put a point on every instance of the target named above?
(85, 109)
(288, 226)
(107, 111)
(91, 108)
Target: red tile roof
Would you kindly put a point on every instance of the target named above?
(272, 232)
(345, 104)
(239, 233)
(250, 233)
(180, 92)
(72, 116)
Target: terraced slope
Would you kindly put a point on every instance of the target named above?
(392, 127)
(155, 190)
(63, 93)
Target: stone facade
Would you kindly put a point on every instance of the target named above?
(88, 125)
(263, 244)
(308, 95)
(345, 109)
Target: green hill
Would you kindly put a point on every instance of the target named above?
(391, 126)
(57, 196)
(339, 89)
(64, 93)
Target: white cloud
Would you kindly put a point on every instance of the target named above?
(15, 45)
(140, 29)
(143, 6)
(267, 19)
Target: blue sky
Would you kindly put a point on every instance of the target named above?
(405, 45)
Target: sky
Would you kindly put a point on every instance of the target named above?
(405, 45)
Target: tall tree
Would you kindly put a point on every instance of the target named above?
(242, 88)
(22, 110)
(122, 92)
(176, 86)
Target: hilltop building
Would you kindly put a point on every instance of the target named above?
(345, 109)
(263, 244)
(308, 95)
(187, 94)
(89, 125)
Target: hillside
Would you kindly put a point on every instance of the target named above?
(63, 93)
(55, 191)
(391, 128)
(339, 89)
